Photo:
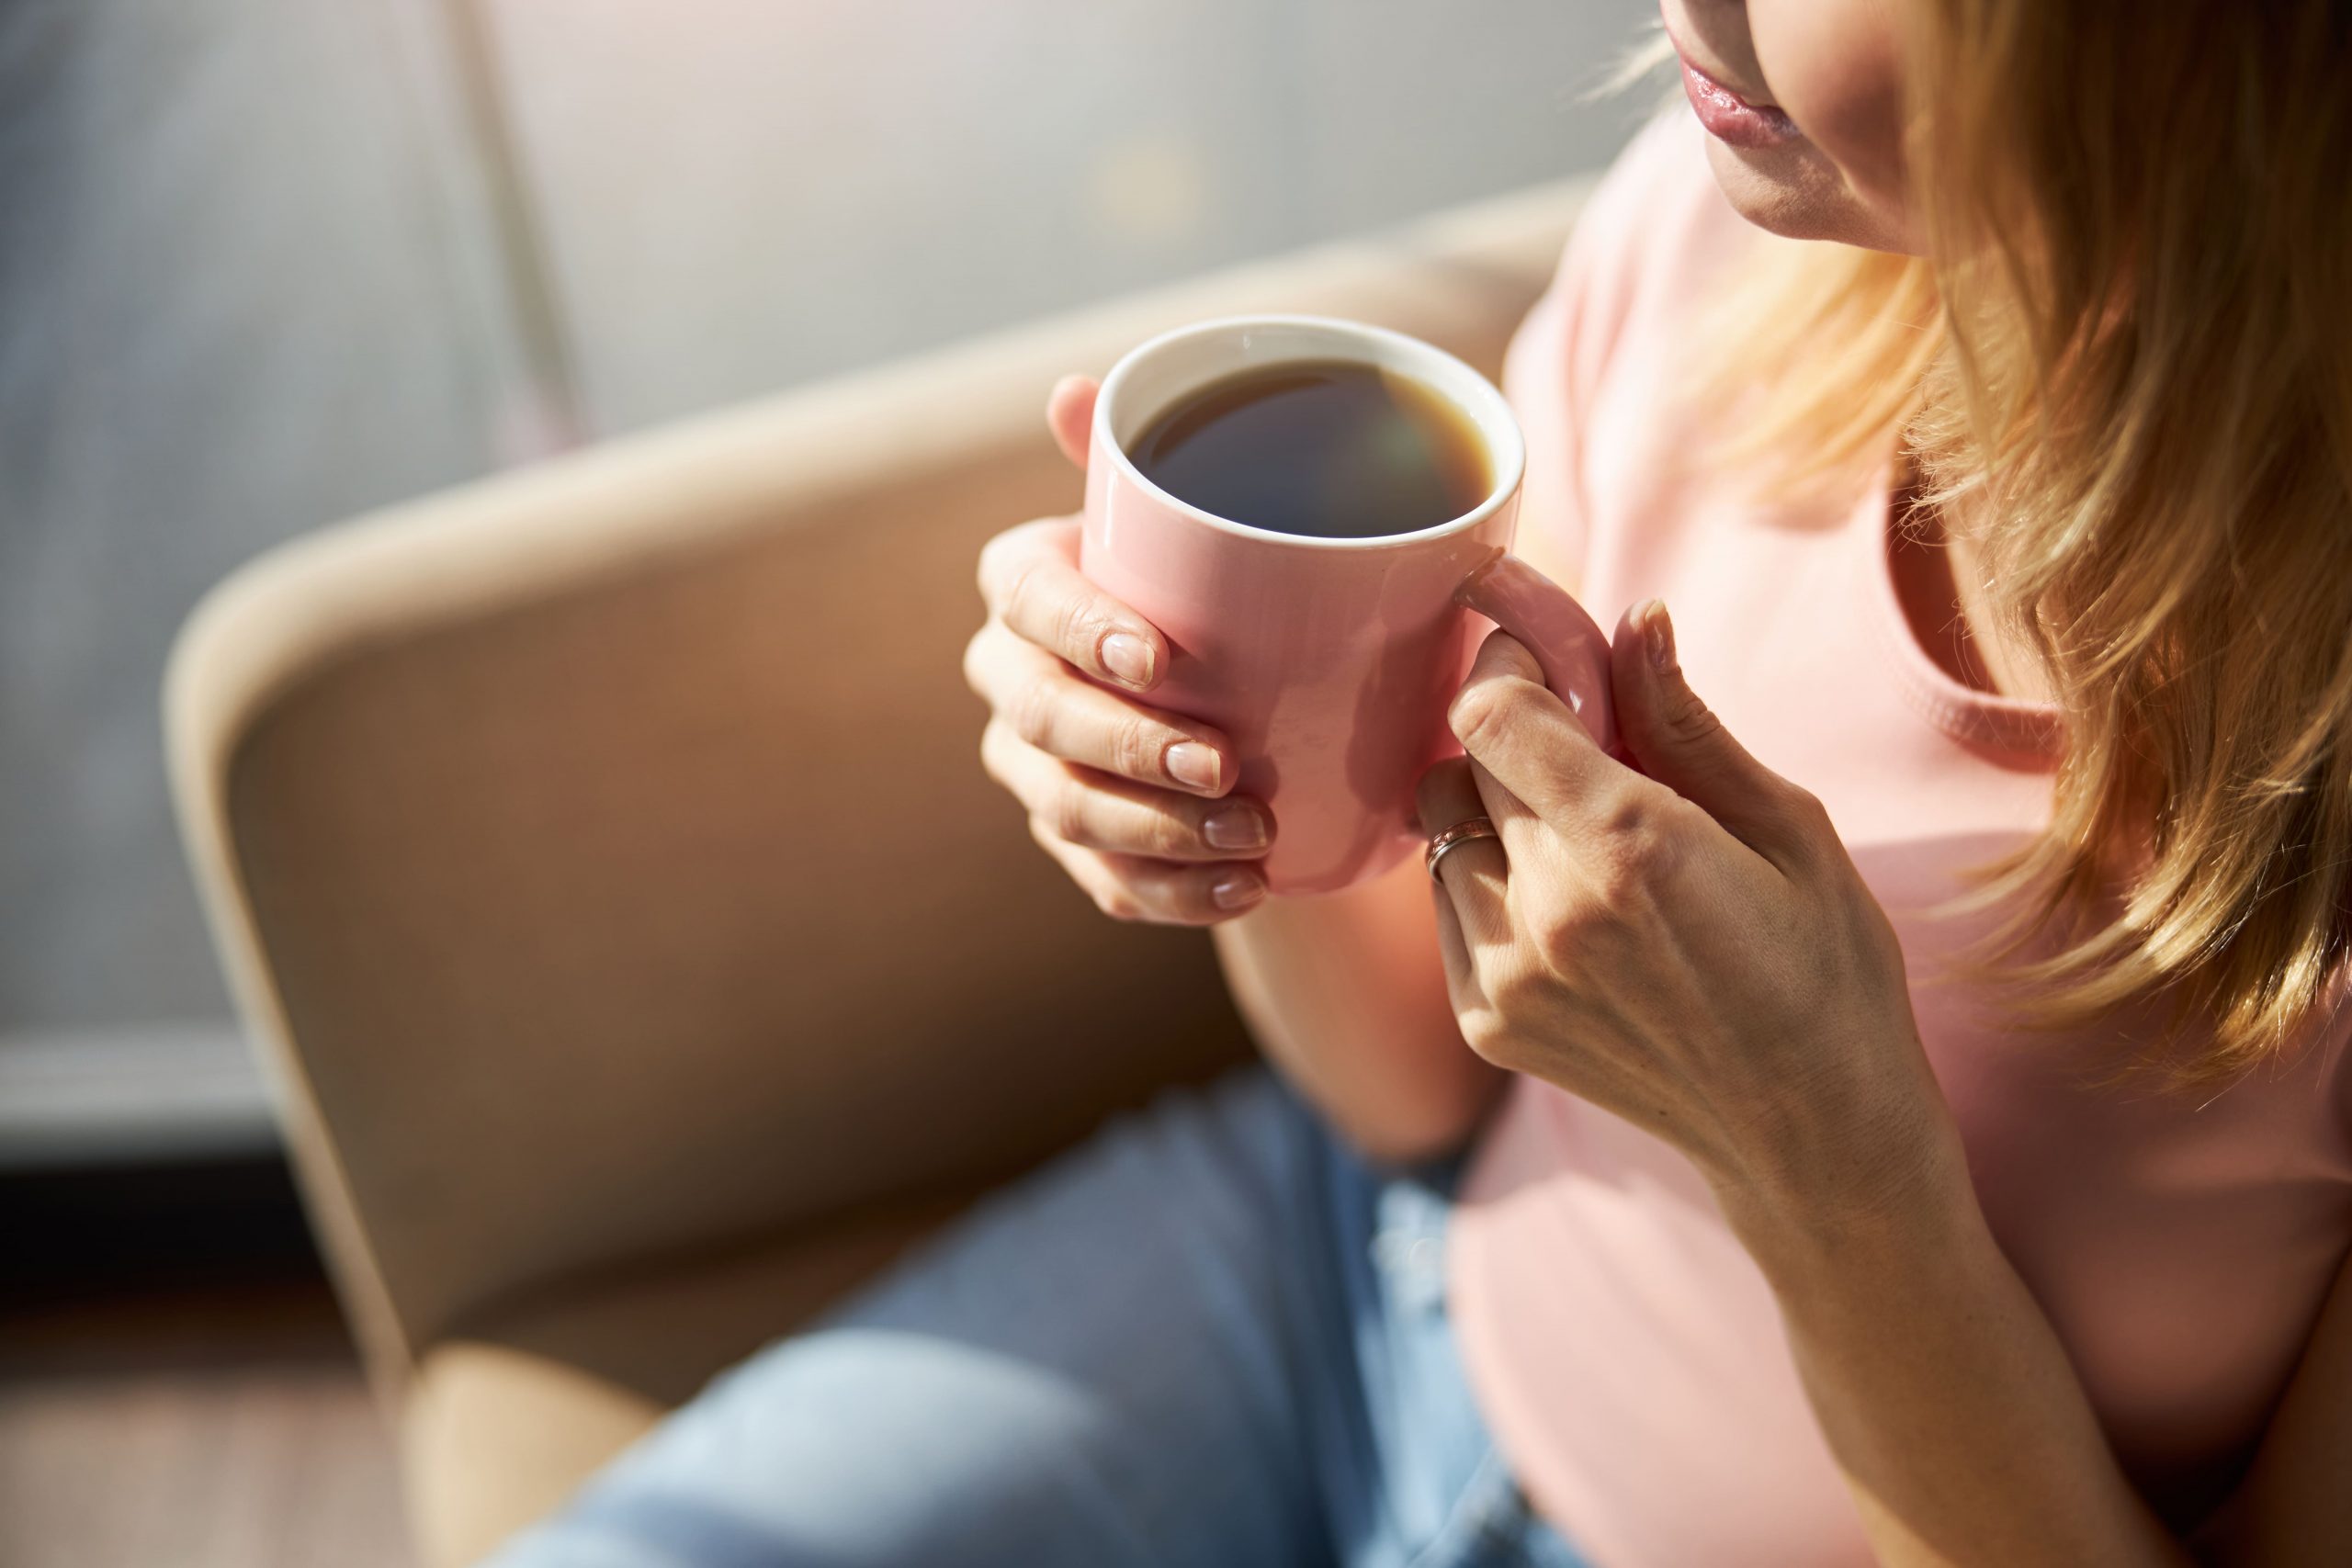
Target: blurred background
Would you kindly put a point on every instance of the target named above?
(265, 263)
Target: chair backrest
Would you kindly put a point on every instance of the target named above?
(600, 854)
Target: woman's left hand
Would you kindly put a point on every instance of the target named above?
(1688, 946)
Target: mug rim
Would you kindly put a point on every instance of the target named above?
(1510, 455)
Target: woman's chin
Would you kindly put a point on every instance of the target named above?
(1793, 191)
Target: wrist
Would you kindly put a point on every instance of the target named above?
(1889, 1214)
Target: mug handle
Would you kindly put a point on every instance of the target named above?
(1566, 641)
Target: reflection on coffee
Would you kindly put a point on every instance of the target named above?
(1328, 448)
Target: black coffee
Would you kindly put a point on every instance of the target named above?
(1327, 448)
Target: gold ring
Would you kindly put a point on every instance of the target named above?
(1461, 832)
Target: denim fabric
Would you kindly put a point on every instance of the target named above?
(1210, 1337)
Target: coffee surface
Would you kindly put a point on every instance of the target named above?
(1330, 449)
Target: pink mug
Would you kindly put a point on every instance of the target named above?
(1329, 662)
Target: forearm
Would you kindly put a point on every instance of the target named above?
(1945, 1395)
(1346, 995)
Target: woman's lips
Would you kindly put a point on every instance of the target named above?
(1731, 118)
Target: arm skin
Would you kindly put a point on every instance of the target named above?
(2296, 1504)
(1346, 995)
(1347, 998)
(1965, 1436)
(1961, 1427)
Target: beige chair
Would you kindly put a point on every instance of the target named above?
(603, 865)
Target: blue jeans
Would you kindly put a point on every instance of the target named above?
(1209, 1338)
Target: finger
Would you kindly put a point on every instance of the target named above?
(1475, 872)
(1069, 415)
(1463, 989)
(1524, 734)
(1029, 576)
(1058, 713)
(1127, 887)
(1097, 811)
(1569, 645)
(1452, 948)
(1528, 840)
(1680, 743)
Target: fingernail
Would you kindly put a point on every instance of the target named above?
(1236, 890)
(1658, 635)
(1191, 764)
(1128, 656)
(1234, 827)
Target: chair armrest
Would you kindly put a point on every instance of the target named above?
(599, 853)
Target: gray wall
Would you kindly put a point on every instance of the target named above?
(266, 263)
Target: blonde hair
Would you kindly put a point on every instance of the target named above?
(2126, 362)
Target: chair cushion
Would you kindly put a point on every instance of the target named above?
(507, 1417)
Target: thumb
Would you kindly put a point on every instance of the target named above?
(1541, 618)
(1069, 413)
(1677, 740)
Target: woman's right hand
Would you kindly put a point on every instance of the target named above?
(1134, 803)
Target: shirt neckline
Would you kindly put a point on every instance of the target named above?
(1961, 711)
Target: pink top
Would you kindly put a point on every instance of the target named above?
(1627, 1353)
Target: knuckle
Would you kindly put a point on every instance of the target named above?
(989, 567)
(1690, 718)
(1184, 834)
(995, 739)
(1515, 659)
(1064, 623)
(1084, 629)
(1651, 856)
(1043, 831)
(1477, 713)
(1020, 605)
(1196, 905)
(1626, 813)
(1488, 1034)
(1117, 903)
(1646, 844)
(1005, 561)
(976, 654)
(1807, 810)
(1136, 748)
(1071, 813)
(1167, 836)
(1031, 711)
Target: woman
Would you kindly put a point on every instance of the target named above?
(1816, 1194)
